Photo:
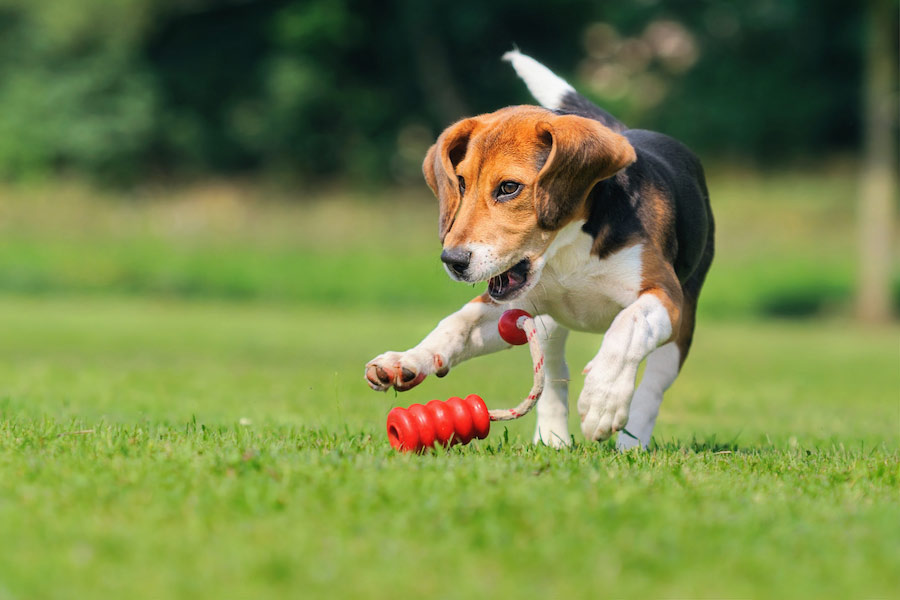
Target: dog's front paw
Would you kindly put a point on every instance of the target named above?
(402, 370)
(603, 405)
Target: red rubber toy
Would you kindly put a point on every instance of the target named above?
(421, 426)
(509, 327)
(459, 421)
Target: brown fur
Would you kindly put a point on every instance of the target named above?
(656, 217)
(659, 273)
(558, 159)
(484, 298)
(582, 153)
(686, 329)
(658, 278)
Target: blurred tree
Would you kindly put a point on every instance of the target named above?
(359, 88)
(73, 90)
(879, 180)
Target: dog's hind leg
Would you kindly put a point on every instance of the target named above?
(663, 365)
(661, 370)
(553, 406)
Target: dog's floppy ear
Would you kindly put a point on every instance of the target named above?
(582, 152)
(439, 168)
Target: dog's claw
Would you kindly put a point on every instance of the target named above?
(376, 378)
(440, 368)
(398, 370)
(402, 386)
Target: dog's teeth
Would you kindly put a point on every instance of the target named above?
(495, 284)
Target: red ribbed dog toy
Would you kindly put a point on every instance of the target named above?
(457, 420)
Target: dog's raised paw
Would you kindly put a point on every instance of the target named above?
(399, 370)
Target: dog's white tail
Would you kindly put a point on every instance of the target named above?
(555, 93)
(548, 88)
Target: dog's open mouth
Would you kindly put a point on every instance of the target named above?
(507, 283)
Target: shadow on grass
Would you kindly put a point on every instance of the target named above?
(699, 446)
(812, 299)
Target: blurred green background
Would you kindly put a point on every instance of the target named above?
(212, 215)
(318, 89)
(149, 139)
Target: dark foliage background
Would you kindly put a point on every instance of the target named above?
(135, 89)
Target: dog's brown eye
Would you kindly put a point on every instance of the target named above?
(508, 190)
(462, 185)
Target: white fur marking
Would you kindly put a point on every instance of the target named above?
(661, 371)
(548, 88)
(483, 263)
(564, 237)
(580, 290)
(553, 406)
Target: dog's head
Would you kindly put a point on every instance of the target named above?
(507, 182)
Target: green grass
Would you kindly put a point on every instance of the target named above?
(785, 245)
(125, 469)
(183, 414)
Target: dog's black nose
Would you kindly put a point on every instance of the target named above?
(457, 259)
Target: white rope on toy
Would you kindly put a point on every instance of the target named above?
(537, 357)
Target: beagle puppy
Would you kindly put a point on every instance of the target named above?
(570, 215)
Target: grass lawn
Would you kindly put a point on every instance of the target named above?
(183, 413)
(125, 469)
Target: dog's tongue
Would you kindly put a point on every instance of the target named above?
(515, 278)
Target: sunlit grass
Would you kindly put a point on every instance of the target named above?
(785, 244)
(183, 414)
(157, 449)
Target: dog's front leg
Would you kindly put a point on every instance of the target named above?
(553, 406)
(635, 332)
(471, 331)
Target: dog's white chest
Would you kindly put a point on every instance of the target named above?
(581, 291)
